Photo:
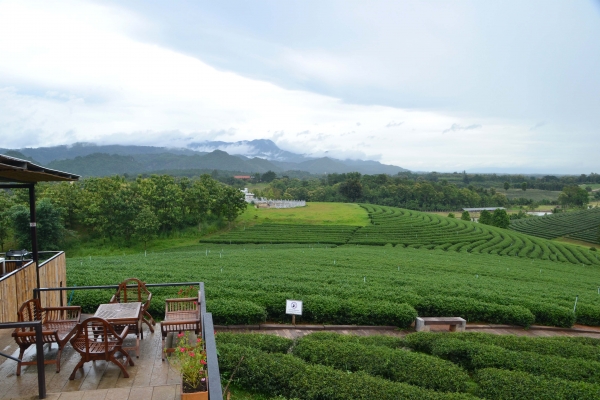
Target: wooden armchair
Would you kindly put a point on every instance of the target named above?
(96, 339)
(137, 292)
(58, 326)
(181, 315)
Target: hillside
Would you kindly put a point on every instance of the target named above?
(579, 225)
(406, 228)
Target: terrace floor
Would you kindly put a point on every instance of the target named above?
(149, 378)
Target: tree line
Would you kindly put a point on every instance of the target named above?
(403, 190)
(115, 209)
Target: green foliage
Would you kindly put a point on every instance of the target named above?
(497, 384)
(286, 375)
(145, 226)
(465, 216)
(573, 196)
(451, 215)
(351, 189)
(500, 219)
(50, 229)
(236, 312)
(268, 176)
(396, 365)
(485, 217)
(262, 342)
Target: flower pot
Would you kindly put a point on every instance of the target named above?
(193, 396)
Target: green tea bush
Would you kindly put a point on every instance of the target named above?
(473, 310)
(289, 376)
(588, 315)
(396, 365)
(496, 384)
(235, 312)
(473, 356)
(263, 342)
(550, 314)
(392, 342)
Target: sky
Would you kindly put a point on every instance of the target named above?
(481, 86)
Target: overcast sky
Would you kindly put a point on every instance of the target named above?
(426, 85)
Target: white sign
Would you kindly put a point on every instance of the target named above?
(293, 307)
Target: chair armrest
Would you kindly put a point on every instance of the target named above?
(124, 332)
(18, 333)
(113, 299)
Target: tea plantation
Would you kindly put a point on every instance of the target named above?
(419, 365)
(354, 284)
(580, 225)
(400, 227)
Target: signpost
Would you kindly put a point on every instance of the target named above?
(293, 308)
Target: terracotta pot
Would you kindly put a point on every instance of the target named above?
(193, 396)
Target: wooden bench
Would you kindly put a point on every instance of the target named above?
(423, 324)
(181, 315)
(58, 326)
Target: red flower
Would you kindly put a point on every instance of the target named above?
(202, 362)
(191, 354)
(182, 349)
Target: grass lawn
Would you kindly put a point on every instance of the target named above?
(313, 213)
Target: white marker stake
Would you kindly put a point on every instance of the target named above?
(575, 306)
(364, 279)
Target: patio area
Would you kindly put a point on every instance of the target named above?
(150, 377)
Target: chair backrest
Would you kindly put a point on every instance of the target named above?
(136, 292)
(95, 335)
(31, 310)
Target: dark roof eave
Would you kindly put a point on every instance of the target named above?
(22, 171)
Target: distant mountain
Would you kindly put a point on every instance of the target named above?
(101, 164)
(261, 148)
(248, 156)
(47, 154)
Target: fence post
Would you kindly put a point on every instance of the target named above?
(39, 349)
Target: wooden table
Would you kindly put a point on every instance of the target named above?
(123, 314)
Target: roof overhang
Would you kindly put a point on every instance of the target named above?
(23, 171)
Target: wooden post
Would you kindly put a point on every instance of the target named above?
(33, 230)
(293, 320)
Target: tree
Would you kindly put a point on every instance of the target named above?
(465, 216)
(145, 226)
(268, 176)
(465, 178)
(506, 186)
(524, 186)
(573, 195)
(233, 203)
(485, 218)
(451, 215)
(50, 227)
(351, 189)
(500, 218)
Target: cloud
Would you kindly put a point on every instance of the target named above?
(392, 124)
(537, 126)
(358, 124)
(457, 127)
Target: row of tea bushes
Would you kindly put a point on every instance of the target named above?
(276, 374)
(396, 365)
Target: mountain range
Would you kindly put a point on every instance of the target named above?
(254, 156)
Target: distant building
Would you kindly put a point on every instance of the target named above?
(243, 177)
(249, 197)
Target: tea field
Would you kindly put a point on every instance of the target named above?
(419, 365)
(407, 228)
(355, 284)
(579, 225)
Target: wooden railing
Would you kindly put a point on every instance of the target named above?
(16, 286)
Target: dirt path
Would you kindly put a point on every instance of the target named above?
(534, 331)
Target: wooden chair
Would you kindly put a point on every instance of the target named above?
(181, 315)
(136, 292)
(58, 326)
(96, 339)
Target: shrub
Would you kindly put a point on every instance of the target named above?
(235, 312)
(396, 365)
(286, 375)
(496, 384)
(474, 310)
(263, 342)
(588, 315)
(552, 315)
(392, 342)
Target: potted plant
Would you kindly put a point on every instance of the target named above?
(190, 360)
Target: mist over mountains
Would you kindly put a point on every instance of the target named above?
(254, 156)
